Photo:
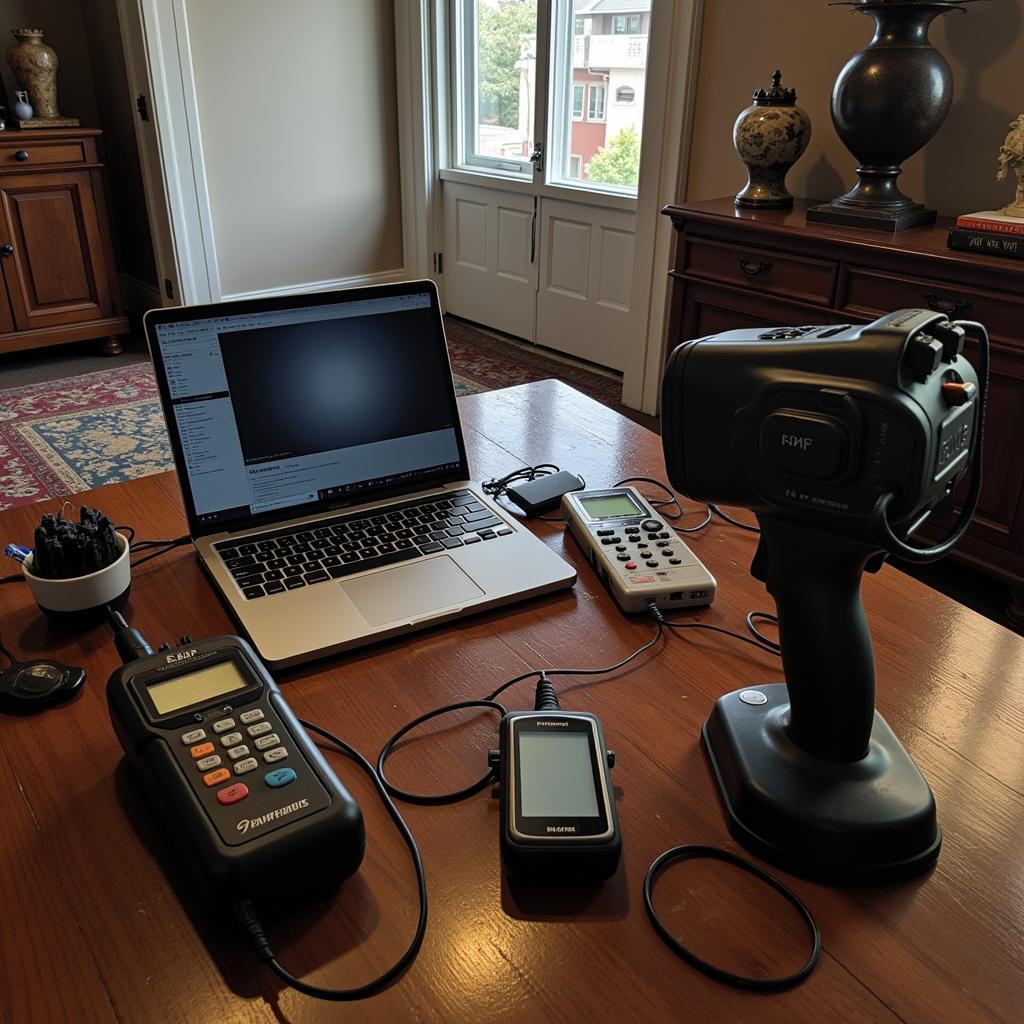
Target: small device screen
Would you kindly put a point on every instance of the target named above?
(611, 506)
(183, 691)
(556, 775)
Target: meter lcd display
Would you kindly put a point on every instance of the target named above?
(556, 775)
(610, 506)
(184, 691)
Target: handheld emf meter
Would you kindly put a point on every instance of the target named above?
(636, 553)
(255, 809)
(558, 820)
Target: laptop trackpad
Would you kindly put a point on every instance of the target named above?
(409, 591)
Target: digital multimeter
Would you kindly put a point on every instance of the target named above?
(255, 809)
(558, 820)
(639, 557)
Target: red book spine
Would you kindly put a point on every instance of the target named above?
(981, 224)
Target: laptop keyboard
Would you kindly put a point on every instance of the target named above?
(280, 560)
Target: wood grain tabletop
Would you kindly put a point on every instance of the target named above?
(99, 922)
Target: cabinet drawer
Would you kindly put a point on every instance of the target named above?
(41, 153)
(869, 294)
(761, 270)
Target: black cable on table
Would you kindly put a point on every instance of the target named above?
(690, 852)
(246, 914)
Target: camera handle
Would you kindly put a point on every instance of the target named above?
(827, 657)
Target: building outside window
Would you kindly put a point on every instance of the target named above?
(596, 101)
(625, 95)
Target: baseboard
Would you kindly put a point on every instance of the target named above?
(381, 277)
(137, 295)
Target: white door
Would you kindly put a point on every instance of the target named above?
(539, 198)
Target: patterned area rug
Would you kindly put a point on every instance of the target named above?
(69, 435)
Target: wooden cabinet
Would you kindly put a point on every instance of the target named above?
(745, 268)
(58, 281)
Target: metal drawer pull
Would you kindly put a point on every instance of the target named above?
(22, 155)
(751, 269)
(6, 249)
(950, 308)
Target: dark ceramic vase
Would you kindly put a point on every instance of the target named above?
(888, 101)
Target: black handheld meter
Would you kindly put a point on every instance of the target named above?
(558, 819)
(255, 809)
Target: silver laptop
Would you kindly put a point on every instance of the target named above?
(323, 470)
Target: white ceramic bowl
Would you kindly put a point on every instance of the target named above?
(83, 593)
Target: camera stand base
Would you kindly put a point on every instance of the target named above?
(871, 820)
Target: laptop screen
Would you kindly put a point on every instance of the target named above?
(282, 408)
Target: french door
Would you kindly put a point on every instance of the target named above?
(539, 196)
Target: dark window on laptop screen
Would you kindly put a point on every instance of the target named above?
(292, 407)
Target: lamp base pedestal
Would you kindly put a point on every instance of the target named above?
(871, 820)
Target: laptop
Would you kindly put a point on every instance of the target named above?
(323, 469)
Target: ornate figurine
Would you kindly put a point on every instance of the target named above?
(1011, 158)
(770, 137)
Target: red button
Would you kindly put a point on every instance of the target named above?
(232, 794)
(631, 565)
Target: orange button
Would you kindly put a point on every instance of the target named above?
(201, 750)
(232, 794)
(216, 777)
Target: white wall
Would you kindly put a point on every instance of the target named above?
(298, 118)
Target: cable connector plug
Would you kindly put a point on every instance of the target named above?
(245, 915)
(545, 698)
(655, 611)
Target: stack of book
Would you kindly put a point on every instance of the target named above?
(990, 233)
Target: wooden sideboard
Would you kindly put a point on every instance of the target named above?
(59, 283)
(747, 268)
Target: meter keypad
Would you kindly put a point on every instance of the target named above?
(224, 725)
(201, 750)
(232, 794)
(216, 777)
(252, 715)
(259, 729)
(204, 764)
(277, 754)
(236, 752)
(232, 739)
(266, 742)
(248, 765)
(193, 736)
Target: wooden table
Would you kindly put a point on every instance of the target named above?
(100, 925)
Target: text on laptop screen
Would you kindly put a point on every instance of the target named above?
(289, 407)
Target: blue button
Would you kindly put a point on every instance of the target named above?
(279, 777)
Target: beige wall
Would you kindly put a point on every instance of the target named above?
(745, 40)
(298, 115)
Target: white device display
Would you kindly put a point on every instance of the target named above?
(635, 551)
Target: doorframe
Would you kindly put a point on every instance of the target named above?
(673, 58)
(158, 54)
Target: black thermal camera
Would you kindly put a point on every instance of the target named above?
(843, 440)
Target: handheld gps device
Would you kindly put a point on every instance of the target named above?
(558, 820)
(256, 811)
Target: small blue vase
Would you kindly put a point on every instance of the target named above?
(22, 108)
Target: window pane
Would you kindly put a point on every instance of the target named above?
(600, 77)
(499, 105)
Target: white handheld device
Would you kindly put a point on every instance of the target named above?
(635, 552)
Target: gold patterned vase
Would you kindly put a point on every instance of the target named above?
(770, 136)
(35, 64)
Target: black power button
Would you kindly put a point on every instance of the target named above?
(804, 443)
